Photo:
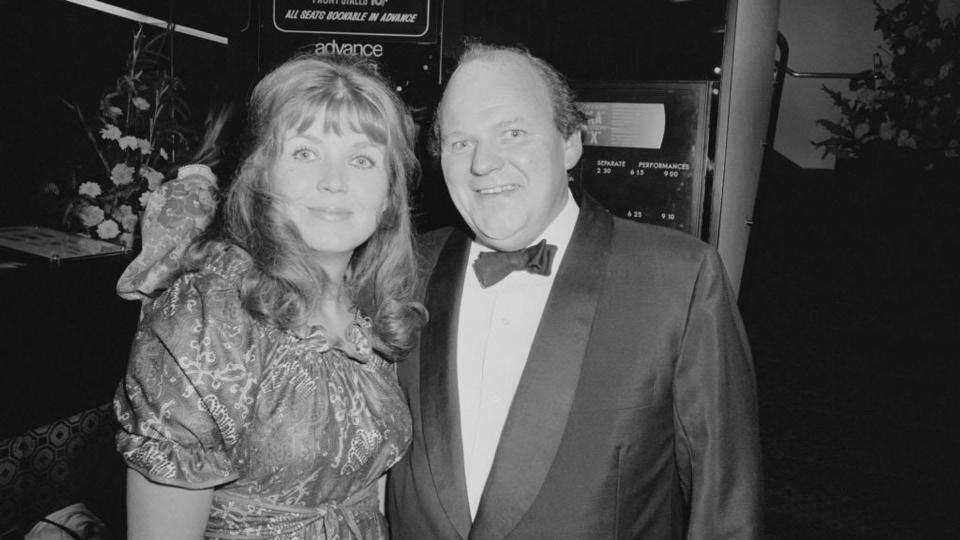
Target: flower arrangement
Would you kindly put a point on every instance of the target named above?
(140, 128)
(906, 111)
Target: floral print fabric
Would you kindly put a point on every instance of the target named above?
(175, 214)
(292, 432)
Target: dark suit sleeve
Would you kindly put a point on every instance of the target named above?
(718, 446)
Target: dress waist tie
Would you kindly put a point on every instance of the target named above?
(282, 519)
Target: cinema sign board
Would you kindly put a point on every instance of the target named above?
(402, 20)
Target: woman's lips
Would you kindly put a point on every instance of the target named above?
(330, 213)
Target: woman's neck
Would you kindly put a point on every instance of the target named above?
(335, 268)
(334, 310)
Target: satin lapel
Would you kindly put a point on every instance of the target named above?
(538, 414)
(439, 400)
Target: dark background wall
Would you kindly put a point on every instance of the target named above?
(53, 50)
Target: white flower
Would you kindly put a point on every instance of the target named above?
(141, 103)
(163, 154)
(110, 132)
(90, 189)
(950, 153)
(129, 222)
(91, 215)
(121, 174)
(944, 71)
(146, 196)
(866, 96)
(887, 131)
(108, 229)
(906, 140)
(52, 189)
(145, 147)
(114, 111)
(127, 141)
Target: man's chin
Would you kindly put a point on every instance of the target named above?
(511, 241)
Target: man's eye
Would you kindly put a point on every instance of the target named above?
(514, 133)
(363, 162)
(304, 153)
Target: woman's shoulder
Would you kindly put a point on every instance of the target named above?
(225, 261)
(212, 286)
(195, 176)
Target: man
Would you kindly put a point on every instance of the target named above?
(613, 397)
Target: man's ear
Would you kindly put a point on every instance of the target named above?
(572, 149)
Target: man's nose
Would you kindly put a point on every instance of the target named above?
(332, 178)
(485, 159)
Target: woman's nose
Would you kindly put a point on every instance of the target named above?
(332, 178)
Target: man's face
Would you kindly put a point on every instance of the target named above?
(503, 159)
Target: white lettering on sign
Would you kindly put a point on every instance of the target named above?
(409, 18)
(611, 163)
(369, 50)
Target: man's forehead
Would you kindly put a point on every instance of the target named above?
(506, 86)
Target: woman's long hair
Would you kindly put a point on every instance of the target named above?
(284, 287)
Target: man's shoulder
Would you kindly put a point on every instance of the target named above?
(428, 247)
(430, 242)
(658, 238)
(651, 248)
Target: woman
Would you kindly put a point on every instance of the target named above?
(257, 402)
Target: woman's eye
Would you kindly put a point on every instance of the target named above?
(304, 153)
(363, 162)
(458, 146)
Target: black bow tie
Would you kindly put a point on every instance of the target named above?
(491, 267)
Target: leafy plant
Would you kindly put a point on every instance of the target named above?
(141, 126)
(908, 107)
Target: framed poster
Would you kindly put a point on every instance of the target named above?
(398, 19)
(645, 150)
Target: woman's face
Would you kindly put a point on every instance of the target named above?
(333, 187)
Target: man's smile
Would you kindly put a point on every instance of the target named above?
(498, 189)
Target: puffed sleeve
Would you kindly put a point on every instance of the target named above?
(174, 216)
(186, 396)
(716, 409)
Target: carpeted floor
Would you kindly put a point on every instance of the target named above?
(852, 308)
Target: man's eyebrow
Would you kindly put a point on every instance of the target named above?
(509, 122)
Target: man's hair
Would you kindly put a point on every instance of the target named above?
(284, 287)
(567, 117)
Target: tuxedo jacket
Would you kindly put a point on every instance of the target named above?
(635, 415)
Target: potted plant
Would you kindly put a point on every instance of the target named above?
(904, 115)
(140, 128)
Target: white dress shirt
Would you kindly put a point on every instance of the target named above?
(496, 330)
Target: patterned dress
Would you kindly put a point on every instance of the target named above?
(291, 432)
(175, 214)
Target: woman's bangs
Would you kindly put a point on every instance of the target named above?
(347, 111)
